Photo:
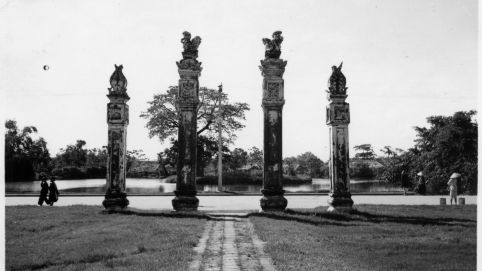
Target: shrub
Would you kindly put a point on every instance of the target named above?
(69, 173)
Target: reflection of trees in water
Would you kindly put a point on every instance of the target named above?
(317, 186)
(93, 190)
(373, 187)
(101, 190)
(232, 188)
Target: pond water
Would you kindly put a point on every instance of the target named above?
(156, 186)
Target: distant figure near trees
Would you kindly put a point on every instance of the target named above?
(421, 184)
(452, 187)
(44, 190)
(53, 192)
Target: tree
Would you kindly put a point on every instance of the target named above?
(388, 151)
(72, 156)
(96, 157)
(309, 164)
(398, 162)
(168, 157)
(291, 163)
(163, 117)
(237, 159)
(255, 158)
(134, 155)
(448, 145)
(207, 149)
(364, 151)
(24, 155)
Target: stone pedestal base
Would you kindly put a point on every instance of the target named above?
(342, 204)
(117, 201)
(273, 201)
(185, 202)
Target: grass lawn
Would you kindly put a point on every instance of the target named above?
(81, 237)
(377, 237)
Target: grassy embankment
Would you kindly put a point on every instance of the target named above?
(374, 238)
(81, 237)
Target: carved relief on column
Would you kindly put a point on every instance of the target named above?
(117, 120)
(272, 69)
(338, 118)
(187, 101)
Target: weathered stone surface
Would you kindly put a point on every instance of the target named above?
(190, 53)
(274, 203)
(273, 47)
(118, 83)
(115, 201)
(230, 243)
(337, 81)
(117, 120)
(338, 118)
(187, 100)
(272, 69)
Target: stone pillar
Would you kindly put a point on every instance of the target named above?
(187, 101)
(117, 119)
(338, 118)
(272, 69)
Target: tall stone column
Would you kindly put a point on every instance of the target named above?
(117, 119)
(187, 101)
(338, 118)
(272, 69)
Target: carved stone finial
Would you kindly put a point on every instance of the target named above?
(337, 81)
(118, 81)
(190, 46)
(273, 47)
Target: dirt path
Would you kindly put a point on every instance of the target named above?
(230, 243)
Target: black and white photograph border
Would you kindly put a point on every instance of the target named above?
(239, 135)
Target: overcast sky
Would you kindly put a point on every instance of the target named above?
(404, 60)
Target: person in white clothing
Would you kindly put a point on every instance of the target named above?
(452, 187)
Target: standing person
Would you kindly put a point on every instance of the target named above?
(421, 188)
(452, 186)
(53, 192)
(44, 189)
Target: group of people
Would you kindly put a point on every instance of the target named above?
(421, 184)
(48, 193)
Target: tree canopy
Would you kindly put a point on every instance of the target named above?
(304, 164)
(364, 151)
(163, 120)
(236, 159)
(255, 158)
(25, 153)
(448, 145)
(162, 115)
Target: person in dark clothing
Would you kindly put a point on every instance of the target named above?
(421, 185)
(43, 191)
(405, 182)
(53, 192)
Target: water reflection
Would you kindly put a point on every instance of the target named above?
(155, 186)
